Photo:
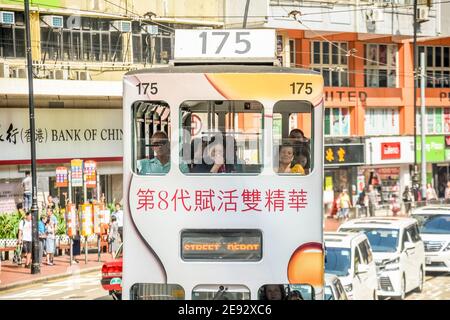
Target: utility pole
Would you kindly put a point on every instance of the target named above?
(35, 268)
(415, 178)
(422, 131)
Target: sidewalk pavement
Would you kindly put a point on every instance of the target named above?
(13, 276)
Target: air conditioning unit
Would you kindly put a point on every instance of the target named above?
(121, 26)
(150, 29)
(54, 21)
(375, 15)
(4, 70)
(59, 74)
(422, 13)
(18, 73)
(73, 22)
(83, 75)
(7, 17)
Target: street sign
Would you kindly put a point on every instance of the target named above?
(77, 172)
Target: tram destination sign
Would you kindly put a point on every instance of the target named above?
(224, 44)
(225, 245)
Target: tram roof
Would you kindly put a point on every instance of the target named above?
(222, 69)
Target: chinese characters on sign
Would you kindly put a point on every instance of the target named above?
(346, 154)
(245, 201)
(77, 172)
(11, 135)
(61, 177)
(90, 168)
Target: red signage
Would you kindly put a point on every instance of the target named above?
(390, 150)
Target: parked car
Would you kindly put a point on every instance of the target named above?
(349, 257)
(434, 227)
(112, 275)
(333, 288)
(398, 251)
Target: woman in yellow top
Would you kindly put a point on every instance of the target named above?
(286, 164)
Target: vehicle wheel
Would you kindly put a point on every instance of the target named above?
(419, 289)
(375, 296)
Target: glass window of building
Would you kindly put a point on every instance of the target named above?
(380, 66)
(330, 59)
(151, 138)
(337, 122)
(382, 121)
(221, 137)
(292, 137)
(82, 39)
(12, 38)
(437, 120)
(437, 65)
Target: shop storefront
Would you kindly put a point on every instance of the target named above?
(61, 135)
(388, 165)
(438, 159)
(341, 163)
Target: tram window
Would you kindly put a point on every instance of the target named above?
(222, 137)
(220, 292)
(156, 291)
(292, 134)
(286, 292)
(151, 135)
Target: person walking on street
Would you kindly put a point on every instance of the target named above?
(363, 202)
(373, 201)
(118, 213)
(395, 205)
(407, 200)
(430, 193)
(54, 222)
(113, 236)
(25, 238)
(26, 185)
(42, 237)
(345, 204)
(447, 193)
(50, 241)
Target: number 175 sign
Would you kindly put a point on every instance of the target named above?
(213, 44)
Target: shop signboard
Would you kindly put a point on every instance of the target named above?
(390, 150)
(87, 224)
(61, 177)
(90, 173)
(71, 220)
(344, 154)
(76, 166)
(435, 149)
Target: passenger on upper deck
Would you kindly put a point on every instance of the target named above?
(161, 161)
(301, 145)
(286, 161)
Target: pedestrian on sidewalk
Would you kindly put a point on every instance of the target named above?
(430, 193)
(447, 193)
(50, 241)
(113, 237)
(407, 200)
(363, 202)
(345, 204)
(373, 201)
(51, 218)
(118, 213)
(42, 237)
(395, 205)
(25, 238)
(26, 185)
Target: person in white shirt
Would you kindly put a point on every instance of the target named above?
(118, 213)
(25, 238)
(27, 185)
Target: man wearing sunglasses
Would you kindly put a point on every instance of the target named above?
(160, 163)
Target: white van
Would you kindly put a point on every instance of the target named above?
(349, 256)
(398, 252)
(434, 226)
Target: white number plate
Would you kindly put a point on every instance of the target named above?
(242, 43)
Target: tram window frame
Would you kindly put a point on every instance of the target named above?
(223, 129)
(297, 107)
(148, 110)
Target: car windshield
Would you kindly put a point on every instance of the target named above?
(328, 293)
(337, 261)
(381, 240)
(437, 224)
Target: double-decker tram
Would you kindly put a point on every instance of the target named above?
(223, 173)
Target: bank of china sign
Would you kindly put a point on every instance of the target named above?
(61, 134)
